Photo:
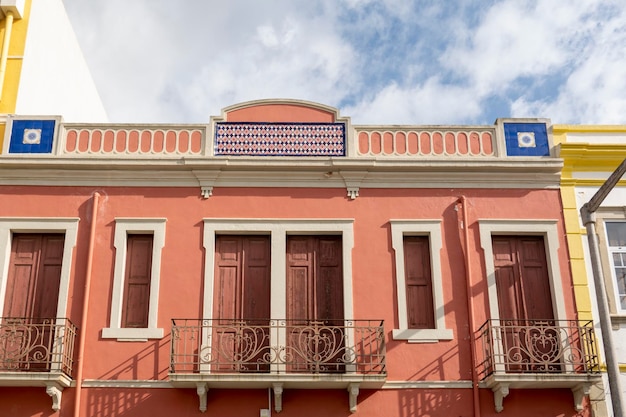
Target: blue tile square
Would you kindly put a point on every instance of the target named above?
(526, 139)
(32, 136)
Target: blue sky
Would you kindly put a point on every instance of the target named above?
(378, 61)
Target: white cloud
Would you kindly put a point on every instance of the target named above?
(595, 91)
(429, 103)
(383, 61)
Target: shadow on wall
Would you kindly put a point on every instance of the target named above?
(150, 363)
(426, 402)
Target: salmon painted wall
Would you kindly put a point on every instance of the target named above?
(374, 289)
(296, 403)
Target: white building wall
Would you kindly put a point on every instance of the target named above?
(55, 79)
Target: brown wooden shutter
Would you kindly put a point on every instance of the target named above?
(242, 275)
(522, 278)
(314, 278)
(136, 301)
(418, 279)
(34, 275)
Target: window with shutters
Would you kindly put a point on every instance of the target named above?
(281, 236)
(137, 281)
(418, 280)
(40, 251)
(134, 303)
(421, 314)
(512, 247)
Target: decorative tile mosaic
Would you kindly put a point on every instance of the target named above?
(526, 139)
(280, 139)
(32, 136)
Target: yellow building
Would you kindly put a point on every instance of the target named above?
(590, 154)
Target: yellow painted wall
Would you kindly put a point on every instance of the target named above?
(583, 157)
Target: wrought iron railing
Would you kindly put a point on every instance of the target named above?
(536, 346)
(278, 346)
(37, 345)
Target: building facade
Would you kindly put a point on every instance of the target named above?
(279, 259)
(590, 155)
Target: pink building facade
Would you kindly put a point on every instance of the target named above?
(281, 261)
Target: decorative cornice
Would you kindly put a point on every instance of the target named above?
(557, 129)
(351, 173)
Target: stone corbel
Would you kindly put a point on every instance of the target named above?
(278, 397)
(580, 392)
(206, 179)
(353, 392)
(202, 388)
(206, 191)
(56, 393)
(353, 181)
(499, 392)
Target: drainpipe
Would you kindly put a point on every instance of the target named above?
(81, 339)
(470, 304)
(587, 213)
(5, 48)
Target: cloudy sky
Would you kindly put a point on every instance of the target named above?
(378, 61)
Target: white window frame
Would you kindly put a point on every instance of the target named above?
(124, 227)
(67, 226)
(431, 229)
(610, 250)
(547, 229)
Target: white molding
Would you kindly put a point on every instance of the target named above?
(124, 226)
(68, 226)
(318, 172)
(431, 229)
(545, 228)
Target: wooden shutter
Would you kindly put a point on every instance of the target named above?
(241, 331)
(418, 280)
(522, 278)
(136, 301)
(242, 273)
(34, 275)
(314, 278)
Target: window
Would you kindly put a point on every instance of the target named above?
(279, 231)
(32, 288)
(616, 244)
(421, 315)
(419, 288)
(138, 245)
(56, 237)
(137, 281)
(493, 235)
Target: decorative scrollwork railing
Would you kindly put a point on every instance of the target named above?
(278, 346)
(36, 345)
(536, 346)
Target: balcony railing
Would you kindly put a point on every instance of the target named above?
(36, 345)
(536, 347)
(277, 346)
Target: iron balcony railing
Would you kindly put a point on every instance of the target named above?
(37, 345)
(277, 346)
(536, 347)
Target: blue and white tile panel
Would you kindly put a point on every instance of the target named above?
(526, 139)
(280, 139)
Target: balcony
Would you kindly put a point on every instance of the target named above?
(278, 354)
(537, 354)
(37, 352)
